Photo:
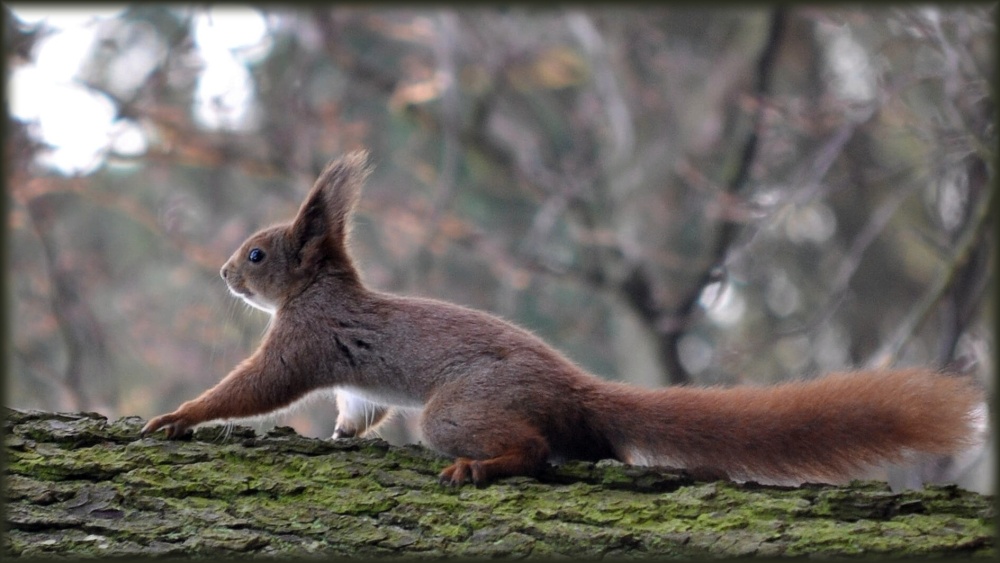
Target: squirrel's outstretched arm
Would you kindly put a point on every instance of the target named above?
(257, 386)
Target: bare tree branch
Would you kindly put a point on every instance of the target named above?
(965, 248)
(639, 286)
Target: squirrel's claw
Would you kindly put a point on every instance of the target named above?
(464, 469)
(172, 423)
(343, 432)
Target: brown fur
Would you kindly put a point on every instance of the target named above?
(503, 402)
(827, 430)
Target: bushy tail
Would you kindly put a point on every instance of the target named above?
(830, 429)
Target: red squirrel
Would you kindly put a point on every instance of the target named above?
(502, 402)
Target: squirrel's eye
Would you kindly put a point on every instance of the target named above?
(256, 255)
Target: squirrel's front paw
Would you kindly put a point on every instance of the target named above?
(174, 423)
(343, 432)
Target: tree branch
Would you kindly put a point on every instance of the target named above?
(681, 317)
(965, 248)
(79, 485)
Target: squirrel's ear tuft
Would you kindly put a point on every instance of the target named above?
(324, 217)
(341, 183)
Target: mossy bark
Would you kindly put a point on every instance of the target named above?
(79, 485)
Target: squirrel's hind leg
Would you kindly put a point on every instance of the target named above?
(487, 445)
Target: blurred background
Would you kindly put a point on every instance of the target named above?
(667, 195)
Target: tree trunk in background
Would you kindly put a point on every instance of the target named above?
(78, 485)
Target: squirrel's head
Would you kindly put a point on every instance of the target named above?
(280, 262)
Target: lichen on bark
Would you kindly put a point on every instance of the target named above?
(80, 485)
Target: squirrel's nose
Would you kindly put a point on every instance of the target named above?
(224, 272)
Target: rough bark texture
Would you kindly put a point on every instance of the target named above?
(79, 485)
